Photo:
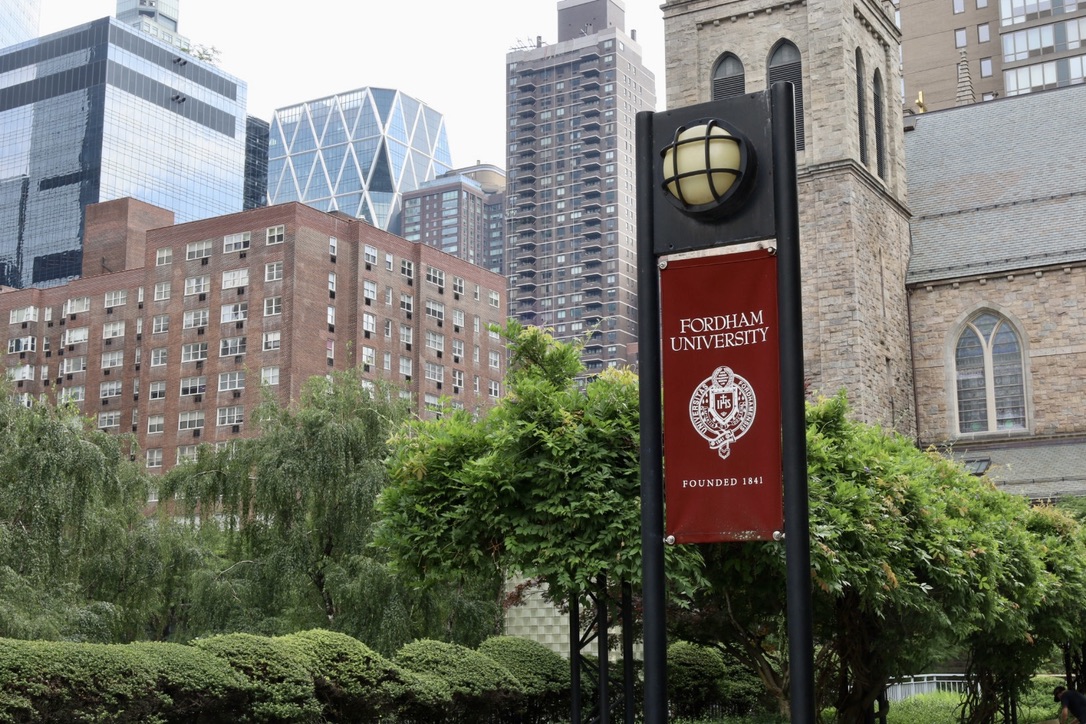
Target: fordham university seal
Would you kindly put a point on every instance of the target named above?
(722, 409)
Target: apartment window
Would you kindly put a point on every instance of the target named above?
(112, 359)
(331, 315)
(230, 415)
(333, 246)
(77, 305)
(407, 268)
(109, 419)
(330, 350)
(271, 341)
(435, 372)
(495, 360)
(193, 385)
(231, 346)
(369, 290)
(71, 394)
(194, 352)
(990, 376)
(369, 356)
(369, 254)
(388, 296)
(369, 323)
(494, 389)
(235, 278)
(116, 299)
(273, 271)
(407, 334)
(23, 314)
(197, 250)
(388, 327)
(238, 312)
(190, 420)
(407, 302)
(458, 349)
(959, 38)
(22, 372)
(109, 389)
(195, 318)
(273, 306)
(388, 261)
(436, 310)
(77, 335)
(162, 291)
(405, 366)
(435, 276)
(984, 33)
(197, 285)
(269, 375)
(22, 344)
(494, 299)
(985, 67)
(458, 317)
(164, 257)
(435, 341)
(458, 380)
(156, 424)
(959, 6)
(231, 381)
(387, 360)
(154, 458)
(160, 324)
(458, 285)
(157, 390)
(332, 282)
(235, 242)
(187, 453)
(276, 234)
(111, 330)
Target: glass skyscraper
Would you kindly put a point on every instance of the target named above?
(18, 21)
(154, 17)
(356, 152)
(100, 112)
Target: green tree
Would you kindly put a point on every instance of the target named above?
(295, 507)
(547, 484)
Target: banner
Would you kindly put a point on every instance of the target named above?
(722, 415)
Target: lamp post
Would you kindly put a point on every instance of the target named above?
(715, 175)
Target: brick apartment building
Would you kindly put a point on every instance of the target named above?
(173, 329)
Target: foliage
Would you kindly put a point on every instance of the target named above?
(58, 681)
(546, 485)
(940, 707)
(695, 678)
(480, 686)
(294, 509)
(911, 557)
(544, 674)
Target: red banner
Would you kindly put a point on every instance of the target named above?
(722, 414)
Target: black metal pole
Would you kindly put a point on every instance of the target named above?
(652, 470)
(602, 649)
(793, 415)
(575, 658)
(627, 653)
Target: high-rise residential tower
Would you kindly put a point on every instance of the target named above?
(157, 18)
(98, 112)
(356, 152)
(571, 254)
(462, 213)
(956, 52)
(18, 21)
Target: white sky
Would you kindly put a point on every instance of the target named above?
(450, 54)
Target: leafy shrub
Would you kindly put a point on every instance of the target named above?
(283, 689)
(695, 678)
(480, 686)
(73, 682)
(544, 674)
(354, 683)
(940, 707)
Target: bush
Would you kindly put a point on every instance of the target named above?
(283, 689)
(544, 674)
(695, 678)
(70, 682)
(354, 683)
(480, 686)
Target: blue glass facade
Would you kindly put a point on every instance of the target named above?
(100, 112)
(356, 152)
(18, 21)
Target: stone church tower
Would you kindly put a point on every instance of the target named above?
(842, 56)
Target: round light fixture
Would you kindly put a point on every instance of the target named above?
(706, 167)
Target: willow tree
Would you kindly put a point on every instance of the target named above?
(295, 507)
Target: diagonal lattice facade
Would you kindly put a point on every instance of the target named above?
(356, 152)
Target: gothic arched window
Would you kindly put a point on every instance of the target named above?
(785, 64)
(880, 126)
(989, 376)
(861, 104)
(729, 78)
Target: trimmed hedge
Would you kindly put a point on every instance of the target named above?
(544, 674)
(700, 677)
(159, 683)
(481, 687)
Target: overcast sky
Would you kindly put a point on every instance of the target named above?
(450, 54)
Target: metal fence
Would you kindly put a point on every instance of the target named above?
(908, 686)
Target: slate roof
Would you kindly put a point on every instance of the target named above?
(1036, 470)
(998, 186)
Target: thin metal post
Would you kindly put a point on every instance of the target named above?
(601, 650)
(652, 470)
(793, 415)
(627, 653)
(575, 658)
